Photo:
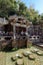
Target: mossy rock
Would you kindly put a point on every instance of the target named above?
(17, 55)
(31, 57)
(13, 58)
(20, 56)
(40, 53)
(26, 53)
(19, 62)
(34, 50)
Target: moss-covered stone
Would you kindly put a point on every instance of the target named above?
(34, 50)
(31, 57)
(26, 53)
(40, 53)
(19, 62)
(13, 58)
(20, 56)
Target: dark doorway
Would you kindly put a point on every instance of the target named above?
(8, 29)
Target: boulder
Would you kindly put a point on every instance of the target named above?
(40, 53)
(26, 53)
(19, 56)
(13, 58)
(31, 57)
(34, 50)
(19, 62)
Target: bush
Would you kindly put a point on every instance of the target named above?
(14, 49)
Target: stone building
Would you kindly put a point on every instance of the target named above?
(41, 31)
(17, 31)
(20, 29)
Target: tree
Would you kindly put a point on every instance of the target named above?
(11, 7)
(22, 8)
(32, 13)
(7, 7)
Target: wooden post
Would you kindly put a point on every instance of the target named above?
(14, 31)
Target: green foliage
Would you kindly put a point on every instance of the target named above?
(32, 13)
(11, 7)
(8, 7)
(34, 21)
